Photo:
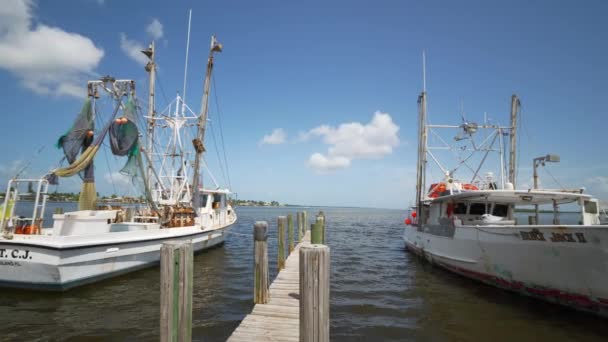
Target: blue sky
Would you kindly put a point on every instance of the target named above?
(319, 71)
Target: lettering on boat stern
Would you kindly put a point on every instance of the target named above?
(15, 254)
(536, 235)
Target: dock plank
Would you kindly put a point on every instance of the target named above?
(279, 319)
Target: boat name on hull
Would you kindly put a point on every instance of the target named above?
(537, 235)
(15, 254)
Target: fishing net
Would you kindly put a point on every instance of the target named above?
(88, 196)
(124, 137)
(77, 139)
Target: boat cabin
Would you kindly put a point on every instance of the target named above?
(499, 207)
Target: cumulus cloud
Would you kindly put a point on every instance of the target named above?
(155, 29)
(353, 140)
(322, 163)
(47, 60)
(278, 136)
(133, 49)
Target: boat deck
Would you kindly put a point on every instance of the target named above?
(279, 319)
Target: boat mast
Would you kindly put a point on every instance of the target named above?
(422, 148)
(513, 139)
(422, 141)
(151, 69)
(202, 121)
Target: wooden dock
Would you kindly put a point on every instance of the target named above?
(279, 319)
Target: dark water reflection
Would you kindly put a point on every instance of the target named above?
(379, 292)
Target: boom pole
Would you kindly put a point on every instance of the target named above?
(421, 164)
(151, 69)
(202, 122)
(513, 139)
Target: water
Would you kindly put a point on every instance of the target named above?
(378, 292)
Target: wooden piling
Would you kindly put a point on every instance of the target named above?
(316, 232)
(261, 285)
(300, 223)
(281, 237)
(290, 232)
(176, 273)
(314, 293)
(321, 220)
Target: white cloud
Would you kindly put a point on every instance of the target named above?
(353, 140)
(155, 29)
(46, 59)
(278, 136)
(321, 163)
(133, 49)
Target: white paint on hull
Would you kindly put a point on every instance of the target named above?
(573, 272)
(34, 262)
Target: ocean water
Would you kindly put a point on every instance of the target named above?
(379, 292)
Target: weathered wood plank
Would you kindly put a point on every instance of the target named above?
(279, 318)
(260, 254)
(176, 270)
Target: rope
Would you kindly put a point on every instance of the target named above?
(162, 90)
(554, 179)
(219, 116)
(217, 151)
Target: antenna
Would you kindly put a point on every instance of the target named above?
(186, 64)
(423, 71)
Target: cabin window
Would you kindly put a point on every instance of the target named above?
(591, 207)
(460, 208)
(500, 210)
(204, 199)
(216, 201)
(477, 209)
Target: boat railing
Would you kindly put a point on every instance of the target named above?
(7, 212)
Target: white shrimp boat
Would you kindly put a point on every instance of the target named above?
(471, 228)
(97, 242)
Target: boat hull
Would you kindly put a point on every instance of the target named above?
(566, 265)
(31, 265)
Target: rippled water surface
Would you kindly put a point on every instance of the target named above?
(379, 292)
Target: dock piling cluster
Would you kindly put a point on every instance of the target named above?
(295, 307)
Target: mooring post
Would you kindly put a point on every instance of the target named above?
(299, 223)
(59, 210)
(176, 272)
(305, 218)
(321, 220)
(314, 293)
(261, 294)
(281, 236)
(290, 232)
(316, 232)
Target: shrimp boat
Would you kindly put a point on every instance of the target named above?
(476, 227)
(97, 242)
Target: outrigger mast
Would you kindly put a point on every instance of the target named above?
(151, 69)
(513, 139)
(202, 122)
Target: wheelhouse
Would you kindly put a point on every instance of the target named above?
(498, 207)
